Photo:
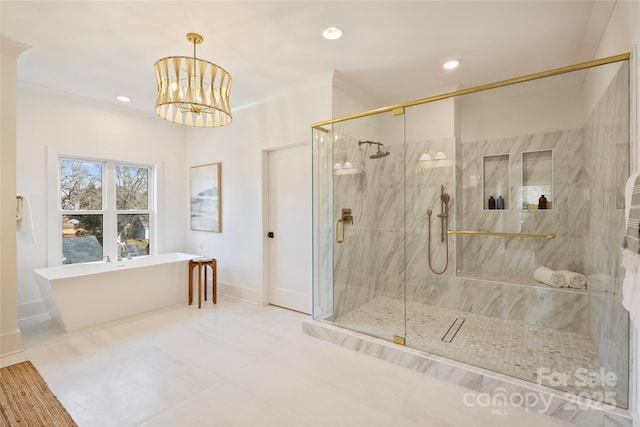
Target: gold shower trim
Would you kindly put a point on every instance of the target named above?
(529, 77)
(492, 233)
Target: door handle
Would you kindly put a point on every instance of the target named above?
(270, 235)
(339, 239)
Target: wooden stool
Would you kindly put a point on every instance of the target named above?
(203, 263)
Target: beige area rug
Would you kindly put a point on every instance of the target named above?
(26, 399)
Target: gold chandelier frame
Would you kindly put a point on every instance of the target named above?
(192, 91)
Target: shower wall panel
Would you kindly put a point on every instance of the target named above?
(424, 180)
(606, 158)
(322, 225)
(559, 309)
(353, 264)
(514, 256)
(371, 260)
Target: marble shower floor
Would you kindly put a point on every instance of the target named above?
(510, 347)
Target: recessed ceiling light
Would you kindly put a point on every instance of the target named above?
(123, 98)
(332, 33)
(450, 65)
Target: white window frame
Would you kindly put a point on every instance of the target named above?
(111, 175)
(109, 212)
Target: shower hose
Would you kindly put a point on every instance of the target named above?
(429, 247)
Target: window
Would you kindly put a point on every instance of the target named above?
(104, 210)
(132, 206)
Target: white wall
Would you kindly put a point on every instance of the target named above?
(520, 109)
(51, 124)
(241, 148)
(74, 126)
(9, 333)
(348, 98)
(431, 121)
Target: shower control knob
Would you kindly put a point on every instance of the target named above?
(270, 235)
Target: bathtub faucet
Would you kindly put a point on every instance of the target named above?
(121, 247)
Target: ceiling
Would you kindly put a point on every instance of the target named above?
(392, 50)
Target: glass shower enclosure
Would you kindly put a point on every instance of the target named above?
(484, 226)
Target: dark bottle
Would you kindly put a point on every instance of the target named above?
(492, 203)
(500, 202)
(542, 202)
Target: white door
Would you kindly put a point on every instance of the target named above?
(290, 224)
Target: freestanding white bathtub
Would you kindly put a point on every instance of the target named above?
(82, 295)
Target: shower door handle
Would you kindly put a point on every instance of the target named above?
(338, 238)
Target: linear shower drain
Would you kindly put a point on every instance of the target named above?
(453, 330)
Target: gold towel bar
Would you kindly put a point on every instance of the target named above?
(491, 233)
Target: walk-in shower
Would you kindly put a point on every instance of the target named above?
(516, 177)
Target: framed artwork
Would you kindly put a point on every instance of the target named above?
(205, 199)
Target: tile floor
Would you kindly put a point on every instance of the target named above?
(510, 347)
(236, 364)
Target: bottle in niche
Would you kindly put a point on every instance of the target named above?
(542, 202)
(500, 202)
(492, 202)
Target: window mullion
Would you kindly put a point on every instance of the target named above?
(110, 217)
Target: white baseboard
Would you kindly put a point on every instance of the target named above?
(238, 292)
(29, 310)
(23, 323)
(10, 343)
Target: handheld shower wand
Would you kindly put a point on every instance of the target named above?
(444, 213)
(444, 225)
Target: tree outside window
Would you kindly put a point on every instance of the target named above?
(88, 207)
(132, 195)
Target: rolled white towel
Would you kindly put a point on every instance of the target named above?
(574, 280)
(549, 277)
(600, 282)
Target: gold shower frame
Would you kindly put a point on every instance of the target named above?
(398, 109)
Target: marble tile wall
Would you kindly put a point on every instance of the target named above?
(521, 256)
(387, 244)
(371, 260)
(606, 158)
(424, 181)
(386, 236)
(563, 310)
(495, 274)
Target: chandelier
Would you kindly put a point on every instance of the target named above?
(191, 91)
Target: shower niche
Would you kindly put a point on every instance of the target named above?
(495, 170)
(536, 192)
(516, 142)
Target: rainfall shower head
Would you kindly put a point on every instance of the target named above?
(379, 154)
